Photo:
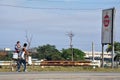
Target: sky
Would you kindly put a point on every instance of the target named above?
(50, 22)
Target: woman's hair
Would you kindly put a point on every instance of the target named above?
(18, 42)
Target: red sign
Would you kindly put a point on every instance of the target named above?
(107, 26)
(106, 20)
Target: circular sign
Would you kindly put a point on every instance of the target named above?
(106, 20)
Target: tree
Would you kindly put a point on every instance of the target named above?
(116, 47)
(28, 39)
(7, 56)
(77, 54)
(48, 52)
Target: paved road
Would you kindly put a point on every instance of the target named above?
(58, 76)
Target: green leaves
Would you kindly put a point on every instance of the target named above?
(77, 54)
(49, 52)
(116, 47)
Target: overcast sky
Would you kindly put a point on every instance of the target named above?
(49, 21)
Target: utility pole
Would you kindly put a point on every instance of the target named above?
(70, 34)
(92, 51)
(93, 54)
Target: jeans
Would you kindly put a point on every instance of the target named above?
(19, 63)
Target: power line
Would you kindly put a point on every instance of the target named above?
(16, 6)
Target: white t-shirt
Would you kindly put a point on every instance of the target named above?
(22, 55)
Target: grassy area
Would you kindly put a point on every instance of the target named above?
(63, 69)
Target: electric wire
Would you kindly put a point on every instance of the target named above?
(48, 8)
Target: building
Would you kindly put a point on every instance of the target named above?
(7, 49)
(97, 55)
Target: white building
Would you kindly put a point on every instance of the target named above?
(7, 49)
(89, 54)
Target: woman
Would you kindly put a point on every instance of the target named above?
(17, 47)
(23, 55)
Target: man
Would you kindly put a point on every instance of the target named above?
(23, 56)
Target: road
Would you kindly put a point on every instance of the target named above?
(59, 76)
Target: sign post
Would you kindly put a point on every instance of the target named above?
(108, 31)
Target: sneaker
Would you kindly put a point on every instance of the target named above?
(18, 70)
(25, 71)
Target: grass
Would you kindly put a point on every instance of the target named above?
(62, 69)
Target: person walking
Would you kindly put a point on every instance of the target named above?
(23, 56)
(15, 61)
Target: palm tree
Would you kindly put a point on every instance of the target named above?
(117, 52)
